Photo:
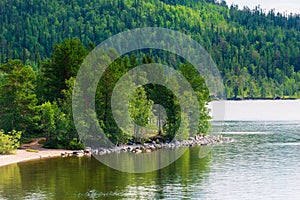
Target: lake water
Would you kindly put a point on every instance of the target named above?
(256, 110)
(262, 163)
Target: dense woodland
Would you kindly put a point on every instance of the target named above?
(258, 53)
(39, 103)
(42, 45)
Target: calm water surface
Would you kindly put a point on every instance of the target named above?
(263, 163)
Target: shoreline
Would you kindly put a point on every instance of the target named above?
(23, 156)
(198, 140)
(245, 99)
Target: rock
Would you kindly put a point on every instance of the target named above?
(95, 151)
(104, 151)
(129, 149)
(152, 147)
(142, 148)
(79, 154)
(137, 151)
(88, 150)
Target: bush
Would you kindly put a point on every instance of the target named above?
(9, 142)
(75, 144)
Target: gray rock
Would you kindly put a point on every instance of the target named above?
(137, 151)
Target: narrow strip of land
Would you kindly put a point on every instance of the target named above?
(22, 155)
(37, 152)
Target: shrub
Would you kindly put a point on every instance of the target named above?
(9, 142)
(75, 144)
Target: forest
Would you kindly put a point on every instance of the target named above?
(257, 53)
(42, 45)
(39, 103)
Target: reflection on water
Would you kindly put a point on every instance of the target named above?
(87, 178)
(141, 163)
(262, 163)
(255, 166)
(10, 178)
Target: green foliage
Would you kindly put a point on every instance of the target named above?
(64, 63)
(75, 144)
(140, 110)
(9, 142)
(184, 132)
(32, 150)
(17, 98)
(53, 125)
(266, 44)
(257, 54)
(57, 121)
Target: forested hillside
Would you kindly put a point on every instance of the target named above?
(257, 53)
(43, 43)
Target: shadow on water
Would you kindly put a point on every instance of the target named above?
(87, 178)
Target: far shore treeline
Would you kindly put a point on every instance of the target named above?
(42, 45)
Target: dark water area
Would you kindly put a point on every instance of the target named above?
(262, 163)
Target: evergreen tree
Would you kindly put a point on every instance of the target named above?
(65, 61)
(18, 99)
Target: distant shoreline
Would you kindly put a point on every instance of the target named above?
(247, 99)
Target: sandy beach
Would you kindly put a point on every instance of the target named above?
(22, 155)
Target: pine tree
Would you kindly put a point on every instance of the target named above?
(18, 99)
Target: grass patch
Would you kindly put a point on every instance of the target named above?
(32, 150)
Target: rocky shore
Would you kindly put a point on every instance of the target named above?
(198, 140)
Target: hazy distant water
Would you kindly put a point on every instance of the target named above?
(256, 110)
(262, 163)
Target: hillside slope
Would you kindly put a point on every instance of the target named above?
(258, 54)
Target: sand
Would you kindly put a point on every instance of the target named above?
(22, 155)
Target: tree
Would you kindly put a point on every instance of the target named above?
(140, 111)
(65, 61)
(57, 122)
(48, 125)
(18, 99)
